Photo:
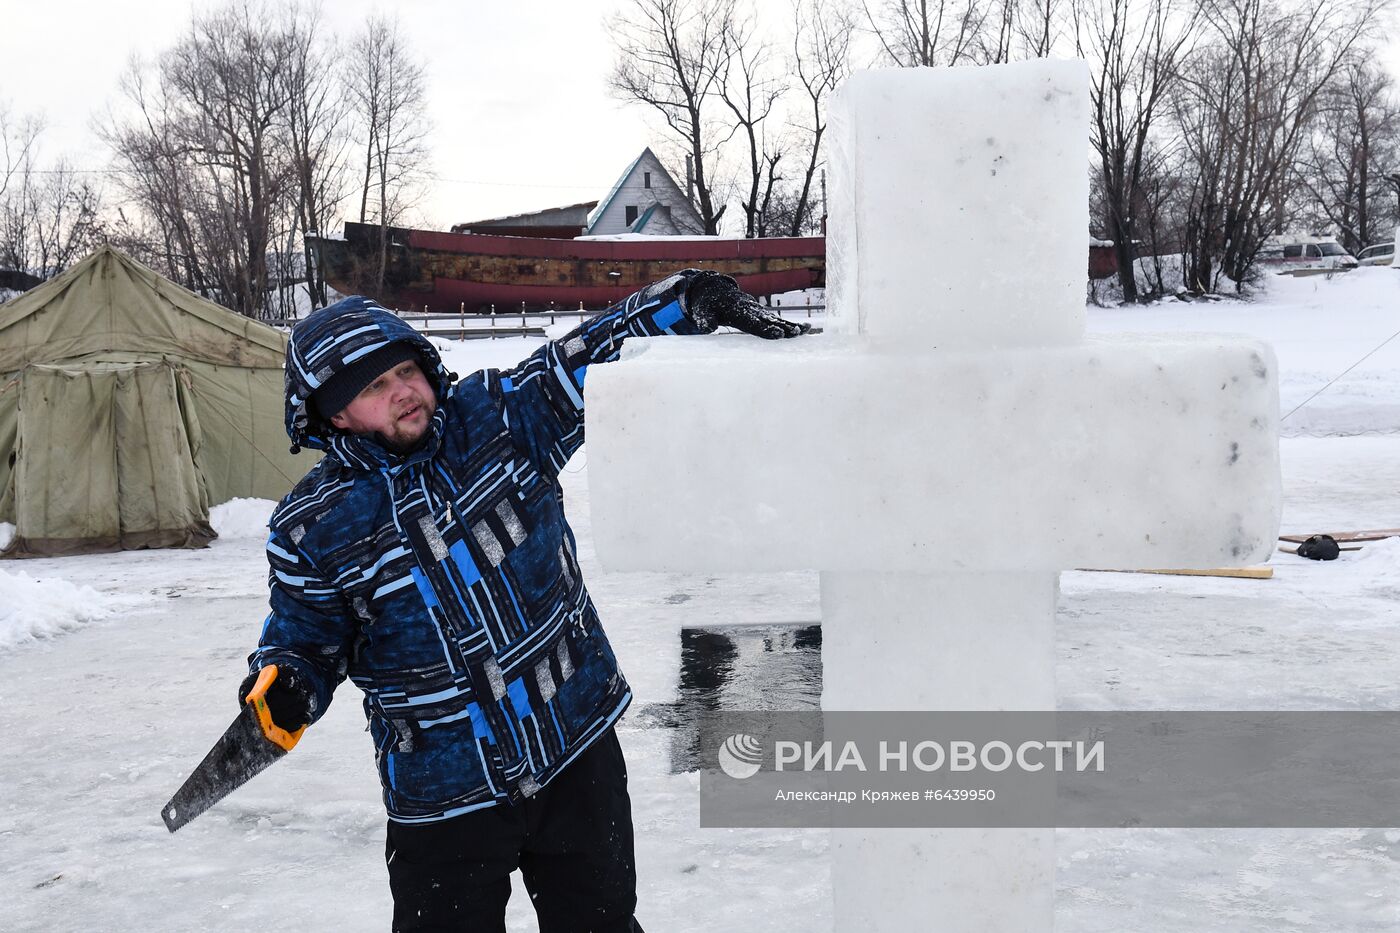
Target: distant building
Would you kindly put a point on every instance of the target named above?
(15, 281)
(559, 222)
(646, 199)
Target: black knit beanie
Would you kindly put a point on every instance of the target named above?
(340, 389)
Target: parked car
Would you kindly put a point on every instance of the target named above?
(1381, 254)
(1304, 255)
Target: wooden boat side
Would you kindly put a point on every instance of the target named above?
(443, 271)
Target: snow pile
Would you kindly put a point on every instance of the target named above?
(7, 533)
(1378, 564)
(33, 608)
(242, 518)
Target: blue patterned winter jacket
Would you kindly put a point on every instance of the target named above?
(445, 583)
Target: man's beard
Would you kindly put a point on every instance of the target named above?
(404, 447)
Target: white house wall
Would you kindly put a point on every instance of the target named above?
(663, 190)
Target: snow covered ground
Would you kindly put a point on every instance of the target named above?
(118, 671)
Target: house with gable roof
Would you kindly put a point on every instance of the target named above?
(646, 199)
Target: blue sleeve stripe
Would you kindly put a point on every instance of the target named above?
(465, 565)
(398, 584)
(519, 698)
(454, 717)
(603, 321)
(480, 727)
(440, 696)
(667, 316)
(272, 548)
(425, 589)
(568, 384)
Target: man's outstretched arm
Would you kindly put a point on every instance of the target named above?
(543, 396)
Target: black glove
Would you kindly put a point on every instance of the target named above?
(713, 300)
(290, 698)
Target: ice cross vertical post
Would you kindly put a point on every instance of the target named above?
(944, 450)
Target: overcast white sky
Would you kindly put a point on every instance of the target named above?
(517, 88)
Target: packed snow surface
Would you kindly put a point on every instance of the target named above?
(104, 720)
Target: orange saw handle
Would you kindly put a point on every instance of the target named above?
(257, 698)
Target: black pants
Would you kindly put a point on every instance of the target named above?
(572, 842)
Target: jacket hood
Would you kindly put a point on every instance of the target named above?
(326, 341)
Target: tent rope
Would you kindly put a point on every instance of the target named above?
(1339, 376)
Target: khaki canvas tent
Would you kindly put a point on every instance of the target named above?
(129, 405)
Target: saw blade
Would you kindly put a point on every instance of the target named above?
(239, 754)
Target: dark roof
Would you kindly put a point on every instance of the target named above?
(551, 216)
(15, 280)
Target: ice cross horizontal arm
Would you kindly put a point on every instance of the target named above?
(818, 454)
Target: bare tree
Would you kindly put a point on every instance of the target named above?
(1247, 100)
(1037, 27)
(995, 41)
(1355, 143)
(750, 89)
(229, 151)
(155, 171)
(48, 216)
(913, 33)
(232, 147)
(18, 137)
(317, 134)
(228, 73)
(1134, 48)
(821, 60)
(671, 58)
(206, 156)
(1158, 213)
(386, 85)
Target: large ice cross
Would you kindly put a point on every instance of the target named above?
(944, 450)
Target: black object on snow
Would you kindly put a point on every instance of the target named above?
(1319, 547)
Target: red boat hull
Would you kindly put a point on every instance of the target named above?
(446, 272)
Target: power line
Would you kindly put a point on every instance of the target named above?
(451, 181)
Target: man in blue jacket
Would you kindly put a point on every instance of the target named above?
(427, 558)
